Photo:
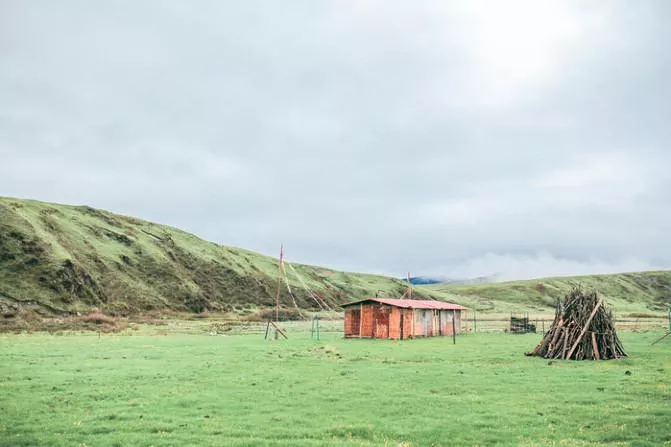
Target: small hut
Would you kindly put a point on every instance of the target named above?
(395, 318)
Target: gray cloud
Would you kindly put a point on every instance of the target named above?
(466, 138)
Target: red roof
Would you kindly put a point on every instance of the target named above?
(412, 304)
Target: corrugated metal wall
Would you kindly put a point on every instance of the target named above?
(423, 323)
(352, 322)
(367, 325)
(407, 316)
(382, 321)
(395, 323)
(381, 317)
(446, 322)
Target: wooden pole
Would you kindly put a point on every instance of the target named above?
(279, 284)
(454, 331)
(475, 323)
(267, 328)
(278, 330)
(409, 287)
(595, 347)
(660, 339)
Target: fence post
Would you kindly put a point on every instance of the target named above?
(475, 322)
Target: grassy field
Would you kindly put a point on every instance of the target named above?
(240, 390)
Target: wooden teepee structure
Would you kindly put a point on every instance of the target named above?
(583, 329)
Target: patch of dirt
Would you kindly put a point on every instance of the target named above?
(326, 353)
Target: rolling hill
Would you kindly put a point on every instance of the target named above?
(624, 292)
(59, 259)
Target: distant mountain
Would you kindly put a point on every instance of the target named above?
(425, 280)
(421, 280)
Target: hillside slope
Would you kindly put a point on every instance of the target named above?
(61, 258)
(66, 258)
(624, 292)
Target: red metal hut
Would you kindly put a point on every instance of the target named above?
(400, 318)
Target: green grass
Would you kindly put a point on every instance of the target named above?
(241, 390)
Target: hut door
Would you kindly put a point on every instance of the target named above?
(356, 322)
(381, 318)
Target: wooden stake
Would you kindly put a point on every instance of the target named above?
(660, 339)
(279, 284)
(595, 347)
(409, 287)
(278, 330)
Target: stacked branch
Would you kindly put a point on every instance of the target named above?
(583, 329)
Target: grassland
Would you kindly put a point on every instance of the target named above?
(240, 390)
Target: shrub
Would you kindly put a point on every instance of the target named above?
(97, 317)
(269, 314)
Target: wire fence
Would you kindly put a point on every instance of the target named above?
(476, 322)
(470, 323)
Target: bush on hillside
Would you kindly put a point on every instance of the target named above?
(269, 314)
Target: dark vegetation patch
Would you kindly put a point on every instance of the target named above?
(29, 320)
(285, 314)
(26, 319)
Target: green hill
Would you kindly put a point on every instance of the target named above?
(61, 259)
(624, 292)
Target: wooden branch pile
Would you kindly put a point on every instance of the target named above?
(583, 329)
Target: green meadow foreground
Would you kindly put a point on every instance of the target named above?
(241, 390)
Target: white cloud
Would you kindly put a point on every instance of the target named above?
(505, 267)
(380, 135)
(607, 168)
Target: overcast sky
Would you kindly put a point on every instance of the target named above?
(462, 138)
